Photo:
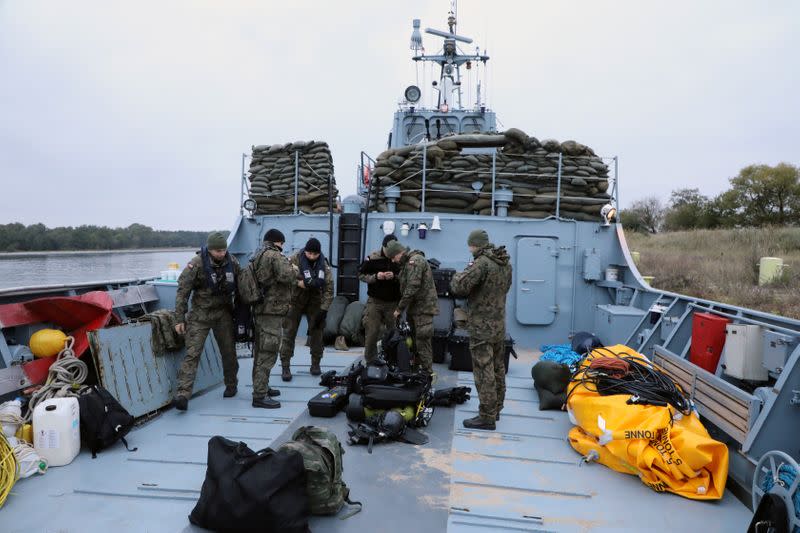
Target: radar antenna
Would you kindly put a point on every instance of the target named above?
(450, 60)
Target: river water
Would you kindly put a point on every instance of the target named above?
(20, 270)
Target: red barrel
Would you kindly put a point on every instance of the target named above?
(708, 339)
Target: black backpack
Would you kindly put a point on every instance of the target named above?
(246, 491)
(395, 348)
(103, 420)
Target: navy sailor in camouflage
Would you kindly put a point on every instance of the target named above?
(312, 296)
(485, 284)
(418, 299)
(210, 279)
(275, 276)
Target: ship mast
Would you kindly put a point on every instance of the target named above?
(450, 60)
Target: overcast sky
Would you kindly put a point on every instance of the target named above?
(113, 113)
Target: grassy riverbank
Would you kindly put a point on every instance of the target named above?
(722, 265)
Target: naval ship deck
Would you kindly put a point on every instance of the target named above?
(522, 477)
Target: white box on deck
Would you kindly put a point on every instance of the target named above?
(744, 353)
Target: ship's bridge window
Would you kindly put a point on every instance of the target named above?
(473, 124)
(414, 128)
(444, 125)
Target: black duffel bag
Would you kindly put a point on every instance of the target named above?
(248, 491)
(396, 395)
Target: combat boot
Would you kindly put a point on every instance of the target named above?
(286, 373)
(341, 344)
(479, 422)
(230, 391)
(273, 392)
(266, 403)
(315, 370)
(181, 403)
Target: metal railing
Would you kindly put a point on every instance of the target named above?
(299, 160)
(367, 166)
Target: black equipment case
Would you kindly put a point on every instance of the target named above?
(460, 356)
(327, 403)
(439, 344)
(441, 279)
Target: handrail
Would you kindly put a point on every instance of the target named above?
(558, 176)
(18, 291)
(373, 184)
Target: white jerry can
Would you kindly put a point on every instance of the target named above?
(56, 430)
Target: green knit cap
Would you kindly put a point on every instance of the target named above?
(478, 238)
(216, 241)
(393, 248)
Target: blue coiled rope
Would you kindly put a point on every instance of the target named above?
(787, 475)
(561, 353)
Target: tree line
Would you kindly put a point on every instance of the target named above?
(18, 237)
(760, 195)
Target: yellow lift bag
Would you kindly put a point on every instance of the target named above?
(668, 450)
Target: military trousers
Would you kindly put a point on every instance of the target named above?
(310, 308)
(266, 341)
(422, 332)
(489, 371)
(197, 328)
(378, 316)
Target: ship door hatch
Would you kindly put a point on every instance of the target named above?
(535, 280)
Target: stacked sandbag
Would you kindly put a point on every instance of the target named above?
(352, 325)
(334, 319)
(526, 166)
(272, 177)
(551, 379)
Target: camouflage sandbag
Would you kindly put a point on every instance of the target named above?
(334, 318)
(322, 456)
(352, 326)
(164, 338)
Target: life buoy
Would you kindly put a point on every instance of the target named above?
(366, 174)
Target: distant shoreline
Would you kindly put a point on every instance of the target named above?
(12, 255)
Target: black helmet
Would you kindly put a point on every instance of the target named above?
(584, 342)
(392, 424)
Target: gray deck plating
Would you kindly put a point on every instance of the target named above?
(524, 477)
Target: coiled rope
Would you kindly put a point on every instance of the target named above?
(64, 378)
(25, 454)
(8, 468)
(786, 476)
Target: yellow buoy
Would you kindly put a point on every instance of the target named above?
(47, 342)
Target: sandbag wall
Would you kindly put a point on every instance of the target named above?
(272, 177)
(523, 164)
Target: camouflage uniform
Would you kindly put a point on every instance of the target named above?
(307, 302)
(276, 277)
(420, 302)
(485, 283)
(211, 311)
(378, 312)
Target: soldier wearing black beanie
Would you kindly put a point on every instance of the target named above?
(380, 275)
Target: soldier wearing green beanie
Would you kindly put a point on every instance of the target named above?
(210, 279)
(418, 299)
(216, 241)
(478, 238)
(485, 283)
